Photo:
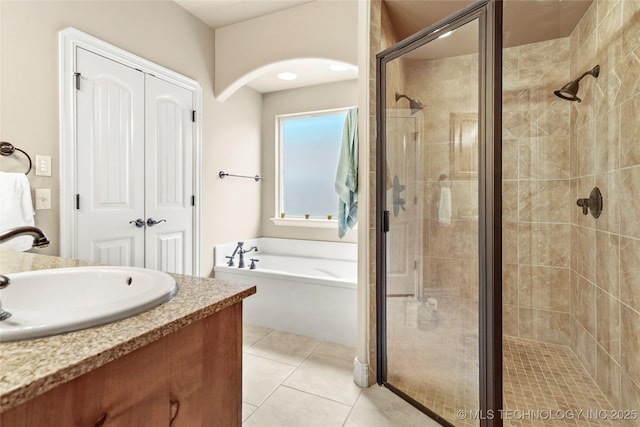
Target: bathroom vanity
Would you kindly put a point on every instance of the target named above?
(179, 364)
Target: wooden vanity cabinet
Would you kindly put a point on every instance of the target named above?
(190, 378)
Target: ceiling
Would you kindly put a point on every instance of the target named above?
(525, 21)
(220, 13)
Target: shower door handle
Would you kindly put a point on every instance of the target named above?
(385, 222)
(151, 222)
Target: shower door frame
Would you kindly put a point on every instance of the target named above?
(489, 15)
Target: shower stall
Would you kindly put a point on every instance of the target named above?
(508, 214)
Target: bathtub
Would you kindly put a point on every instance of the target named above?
(304, 287)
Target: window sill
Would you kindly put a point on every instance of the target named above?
(302, 222)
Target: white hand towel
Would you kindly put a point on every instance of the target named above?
(16, 208)
(444, 206)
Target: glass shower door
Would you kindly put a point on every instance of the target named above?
(430, 189)
(404, 129)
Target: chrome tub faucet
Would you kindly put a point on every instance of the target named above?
(240, 251)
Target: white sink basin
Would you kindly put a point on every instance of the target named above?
(49, 302)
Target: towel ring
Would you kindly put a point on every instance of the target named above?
(442, 178)
(7, 149)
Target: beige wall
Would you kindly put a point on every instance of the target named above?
(312, 98)
(320, 29)
(605, 252)
(159, 31)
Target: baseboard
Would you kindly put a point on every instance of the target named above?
(360, 373)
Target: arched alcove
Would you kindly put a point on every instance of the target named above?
(304, 72)
(321, 30)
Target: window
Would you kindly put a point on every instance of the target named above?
(309, 149)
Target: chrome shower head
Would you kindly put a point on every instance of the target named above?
(414, 104)
(570, 90)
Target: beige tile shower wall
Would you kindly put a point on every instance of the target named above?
(450, 252)
(536, 190)
(605, 152)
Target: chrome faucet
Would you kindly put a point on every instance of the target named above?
(39, 241)
(240, 251)
(230, 262)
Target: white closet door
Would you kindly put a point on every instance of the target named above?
(110, 161)
(169, 176)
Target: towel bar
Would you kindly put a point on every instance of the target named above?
(222, 174)
(7, 149)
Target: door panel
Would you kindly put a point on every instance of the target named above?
(169, 182)
(110, 155)
(113, 251)
(170, 253)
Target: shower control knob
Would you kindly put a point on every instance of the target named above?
(151, 222)
(593, 203)
(138, 222)
(252, 266)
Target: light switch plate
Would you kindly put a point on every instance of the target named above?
(43, 165)
(43, 198)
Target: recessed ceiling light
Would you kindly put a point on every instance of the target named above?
(287, 76)
(339, 67)
(447, 34)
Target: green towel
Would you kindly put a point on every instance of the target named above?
(347, 175)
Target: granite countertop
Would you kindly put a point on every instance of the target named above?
(32, 367)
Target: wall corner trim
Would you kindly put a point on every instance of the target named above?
(360, 373)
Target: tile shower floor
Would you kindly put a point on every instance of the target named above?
(537, 376)
(293, 380)
(540, 376)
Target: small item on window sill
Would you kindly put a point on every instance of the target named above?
(329, 216)
(282, 214)
(306, 216)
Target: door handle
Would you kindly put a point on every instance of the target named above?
(151, 222)
(138, 222)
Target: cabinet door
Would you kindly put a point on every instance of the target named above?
(189, 378)
(169, 176)
(110, 161)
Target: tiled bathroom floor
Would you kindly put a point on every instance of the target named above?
(292, 380)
